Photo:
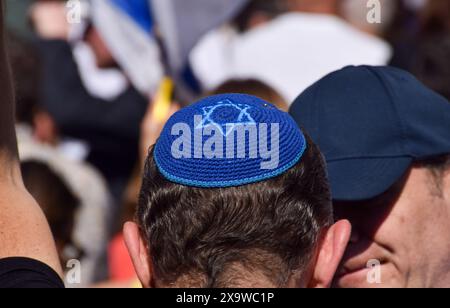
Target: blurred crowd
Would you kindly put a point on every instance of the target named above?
(85, 121)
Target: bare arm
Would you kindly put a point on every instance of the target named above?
(24, 231)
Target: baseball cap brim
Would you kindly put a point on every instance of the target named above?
(363, 179)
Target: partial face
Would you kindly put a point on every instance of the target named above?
(406, 230)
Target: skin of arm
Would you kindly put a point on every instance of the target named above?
(24, 231)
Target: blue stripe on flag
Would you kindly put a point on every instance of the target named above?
(138, 10)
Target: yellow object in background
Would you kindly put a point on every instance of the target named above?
(163, 100)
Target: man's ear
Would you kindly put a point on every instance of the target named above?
(138, 253)
(330, 254)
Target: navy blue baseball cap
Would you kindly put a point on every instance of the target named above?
(372, 123)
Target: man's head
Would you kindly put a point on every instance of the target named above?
(259, 12)
(8, 144)
(225, 222)
(386, 139)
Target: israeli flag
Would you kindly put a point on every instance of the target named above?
(127, 27)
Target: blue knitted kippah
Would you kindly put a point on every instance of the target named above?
(228, 140)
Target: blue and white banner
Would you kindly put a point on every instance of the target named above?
(127, 28)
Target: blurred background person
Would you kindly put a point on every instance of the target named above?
(87, 94)
(255, 88)
(286, 44)
(40, 141)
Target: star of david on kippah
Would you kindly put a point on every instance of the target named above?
(210, 114)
